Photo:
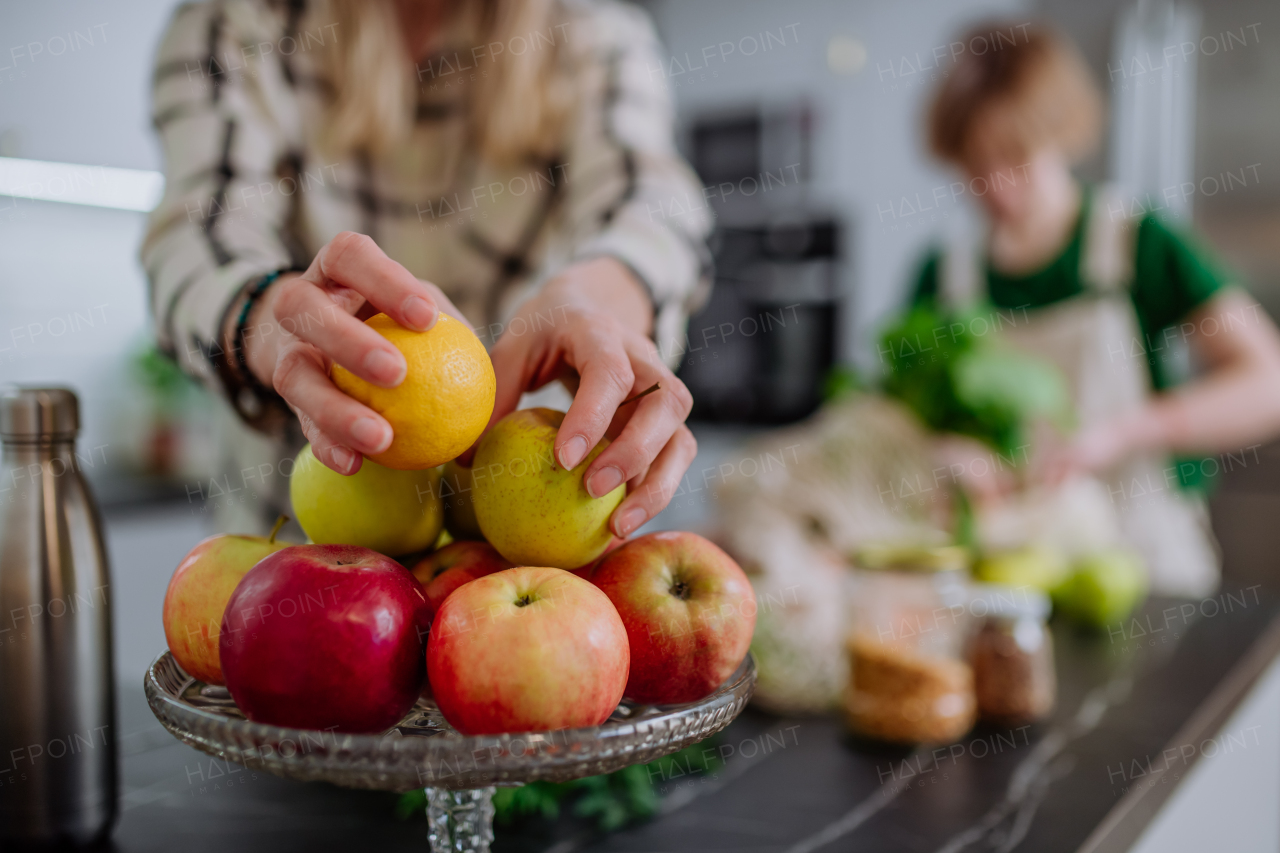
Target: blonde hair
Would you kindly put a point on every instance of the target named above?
(516, 110)
(1028, 86)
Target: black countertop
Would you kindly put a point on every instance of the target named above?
(1091, 778)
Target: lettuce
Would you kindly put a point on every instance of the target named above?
(959, 381)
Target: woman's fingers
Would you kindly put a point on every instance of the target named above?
(656, 418)
(302, 380)
(511, 370)
(355, 261)
(308, 313)
(315, 313)
(331, 454)
(654, 492)
(606, 380)
(610, 364)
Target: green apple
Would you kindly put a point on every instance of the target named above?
(1103, 588)
(529, 507)
(459, 507)
(389, 511)
(1033, 565)
(198, 593)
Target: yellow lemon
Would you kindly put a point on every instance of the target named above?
(445, 400)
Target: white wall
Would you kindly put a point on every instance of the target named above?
(84, 105)
(868, 148)
(73, 307)
(72, 295)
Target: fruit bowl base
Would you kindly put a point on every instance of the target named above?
(460, 821)
(458, 772)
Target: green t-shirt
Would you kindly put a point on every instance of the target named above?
(1173, 276)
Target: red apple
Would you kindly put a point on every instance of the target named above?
(198, 594)
(457, 563)
(528, 649)
(689, 612)
(325, 637)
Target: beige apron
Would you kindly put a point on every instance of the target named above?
(1094, 340)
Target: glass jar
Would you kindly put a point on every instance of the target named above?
(910, 682)
(1012, 654)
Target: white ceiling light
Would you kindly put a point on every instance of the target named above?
(75, 183)
(845, 55)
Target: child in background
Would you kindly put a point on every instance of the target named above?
(1103, 296)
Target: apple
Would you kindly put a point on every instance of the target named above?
(1102, 588)
(530, 508)
(527, 649)
(1033, 565)
(689, 611)
(392, 512)
(459, 509)
(325, 637)
(457, 563)
(198, 594)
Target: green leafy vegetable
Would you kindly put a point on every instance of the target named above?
(959, 381)
(611, 801)
(537, 799)
(840, 382)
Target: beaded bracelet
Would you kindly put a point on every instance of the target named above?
(252, 295)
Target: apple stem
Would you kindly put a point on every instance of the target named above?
(657, 386)
(280, 522)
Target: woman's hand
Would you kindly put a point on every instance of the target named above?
(985, 477)
(589, 328)
(1235, 403)
(1093, 450)
(304, 323)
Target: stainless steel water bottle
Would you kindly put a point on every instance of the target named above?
(58, 774)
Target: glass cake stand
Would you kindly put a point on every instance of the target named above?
(458, 772)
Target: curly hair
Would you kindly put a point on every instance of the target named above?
(1027, 85)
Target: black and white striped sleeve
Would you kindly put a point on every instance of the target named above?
(220, 223)
(630, 194)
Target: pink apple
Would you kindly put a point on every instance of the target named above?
(457, 563)
(527, 649)
(325, 637)
(198, 594)
(689, 612)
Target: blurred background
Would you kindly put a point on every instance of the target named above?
(810, 147)
(804, 121)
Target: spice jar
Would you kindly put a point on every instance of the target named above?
(909, 682)
(1012, 654)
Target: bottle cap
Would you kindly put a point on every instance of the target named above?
(38, 414)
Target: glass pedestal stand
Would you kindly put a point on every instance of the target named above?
(460, 821)
(458, 772)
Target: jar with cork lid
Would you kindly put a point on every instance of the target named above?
(910, 682)
(1011, 652)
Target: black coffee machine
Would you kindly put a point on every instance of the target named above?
(760, 348)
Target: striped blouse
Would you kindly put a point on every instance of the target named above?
(240, 97)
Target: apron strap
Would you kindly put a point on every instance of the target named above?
(1109, 244)
(1106, 255)
(962, 277)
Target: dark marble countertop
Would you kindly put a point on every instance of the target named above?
(1091, 778)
